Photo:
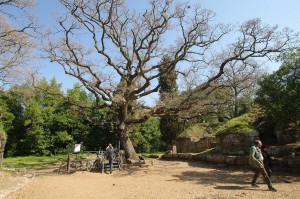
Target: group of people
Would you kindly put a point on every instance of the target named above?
(260, 159)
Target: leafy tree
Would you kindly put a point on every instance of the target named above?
(147, 136)
(37, 138)
(279, 95)
(151, 131)
(18, 98)
(6, 117)
(40, 121)
(35, 112)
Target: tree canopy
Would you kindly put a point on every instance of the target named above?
(279, 95)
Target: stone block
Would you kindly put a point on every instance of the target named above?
(294, 162)
(230, 160)
(218, 158)
(242, 160)
(185, 156)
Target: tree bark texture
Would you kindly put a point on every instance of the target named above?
(126, 145)
(2, 147)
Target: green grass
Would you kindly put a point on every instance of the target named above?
(33, 162)
(154, 153)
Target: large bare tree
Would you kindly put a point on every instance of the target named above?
(116, 52)
(241, 78)
(17, 29)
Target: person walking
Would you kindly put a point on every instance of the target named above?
(267, 160)
(110, 155)
(256, 160)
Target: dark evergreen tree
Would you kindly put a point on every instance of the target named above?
(169, 124)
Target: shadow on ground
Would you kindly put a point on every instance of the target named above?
(215, 174)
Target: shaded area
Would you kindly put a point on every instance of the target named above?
(215, 174)
(214, 177)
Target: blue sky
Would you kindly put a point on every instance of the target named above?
(285, 13)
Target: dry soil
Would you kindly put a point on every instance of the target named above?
(163, 180)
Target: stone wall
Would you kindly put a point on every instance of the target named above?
(291, 163)
(186, 145)
(288, 138)
(233, 144)
(236, 144)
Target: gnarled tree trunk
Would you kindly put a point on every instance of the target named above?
(130, 153)
(2, 146)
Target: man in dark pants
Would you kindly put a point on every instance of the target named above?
(267, 160)
(110, 155)
(256, 160)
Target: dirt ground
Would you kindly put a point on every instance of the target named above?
(164, 179)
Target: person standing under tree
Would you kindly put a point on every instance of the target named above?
(110, 155)
(256, 160)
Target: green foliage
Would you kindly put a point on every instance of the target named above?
(6, 117)
(43, 122)
(279, 95)
(146, 136)
(170, 127)
(169, 124)
(61, 140)
(167, 81)
(241, 124)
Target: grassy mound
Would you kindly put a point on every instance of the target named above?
(242, 124)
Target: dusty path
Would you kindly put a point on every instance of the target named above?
(166, 179)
